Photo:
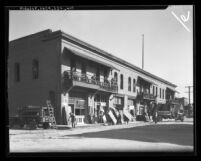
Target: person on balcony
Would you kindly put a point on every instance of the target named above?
(74, 74)
(93, 79)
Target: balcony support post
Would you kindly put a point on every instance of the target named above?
(64, 108)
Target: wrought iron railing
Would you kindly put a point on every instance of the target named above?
(146, 96)
(77, 76)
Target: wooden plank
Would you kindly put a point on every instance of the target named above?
(112, 117)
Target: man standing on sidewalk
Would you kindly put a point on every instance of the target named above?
(72, 117)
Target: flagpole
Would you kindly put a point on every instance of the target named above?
(142, 51)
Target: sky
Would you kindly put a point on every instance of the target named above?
(168, 36)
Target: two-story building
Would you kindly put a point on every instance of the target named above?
(77, 77)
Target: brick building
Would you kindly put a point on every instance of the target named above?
(77, 77)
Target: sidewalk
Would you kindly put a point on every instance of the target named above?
(130, 124)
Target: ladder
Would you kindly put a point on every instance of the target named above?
(51, 114)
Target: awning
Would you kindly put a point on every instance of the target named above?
(172, 90)
(90, 58)
(149, 81)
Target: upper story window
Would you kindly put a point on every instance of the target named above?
(157, 91)
(116, 76)
(73, 65)
(83, 68)
(134, 87)
(17, 72)
(105, 74)
(122, 81)
(98, 74)
(163, 94)
(35, 69)
(153, 90)
(129, 83)
(160, 92)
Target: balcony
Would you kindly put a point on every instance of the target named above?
(147, 96)
(174, 102)
(83, 80)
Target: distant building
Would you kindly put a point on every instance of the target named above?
(78, 77)
(183, 101)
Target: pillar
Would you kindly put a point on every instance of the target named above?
(90, 107)
(65, 110)
(125, 102)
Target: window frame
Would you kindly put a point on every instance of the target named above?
(122, 81)
(129, 84)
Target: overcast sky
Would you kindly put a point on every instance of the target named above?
(168, 51)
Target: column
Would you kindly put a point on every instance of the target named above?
(90, 108)
(65, 110)
(125, 102)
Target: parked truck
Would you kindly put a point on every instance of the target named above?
(168, 111)
(32, 117)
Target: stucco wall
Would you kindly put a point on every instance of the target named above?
(29, 91)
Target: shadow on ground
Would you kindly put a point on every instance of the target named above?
(175, 134)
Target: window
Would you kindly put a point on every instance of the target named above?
(122, 82)
(35, 68)
(163, 94)
(83, 68)
(160, 92)
(105, 74)
(116, 76)
(156, 91)
(134, 85)
(129, 83)
(153, 90)
(98, 74)
(118, 100)
(73, 65)
(79, 111)
(17, 72)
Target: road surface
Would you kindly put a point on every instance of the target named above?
(167, 136)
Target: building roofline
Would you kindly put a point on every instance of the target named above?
(97, 50)
(48, 31)
(119, 60)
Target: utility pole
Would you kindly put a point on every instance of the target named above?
(189, 93)
(142, 51)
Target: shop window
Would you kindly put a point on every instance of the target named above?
(35, 69)
(134, 85)
(122, 82)
(17, 72)
(79, 111)
(129, 83)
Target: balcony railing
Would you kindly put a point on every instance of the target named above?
(84, 78)
(147, 96)
(172, 101)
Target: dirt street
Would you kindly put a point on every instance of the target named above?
(138, 136)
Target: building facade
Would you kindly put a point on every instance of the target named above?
(78, 77)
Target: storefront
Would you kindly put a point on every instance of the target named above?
(78, 107)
